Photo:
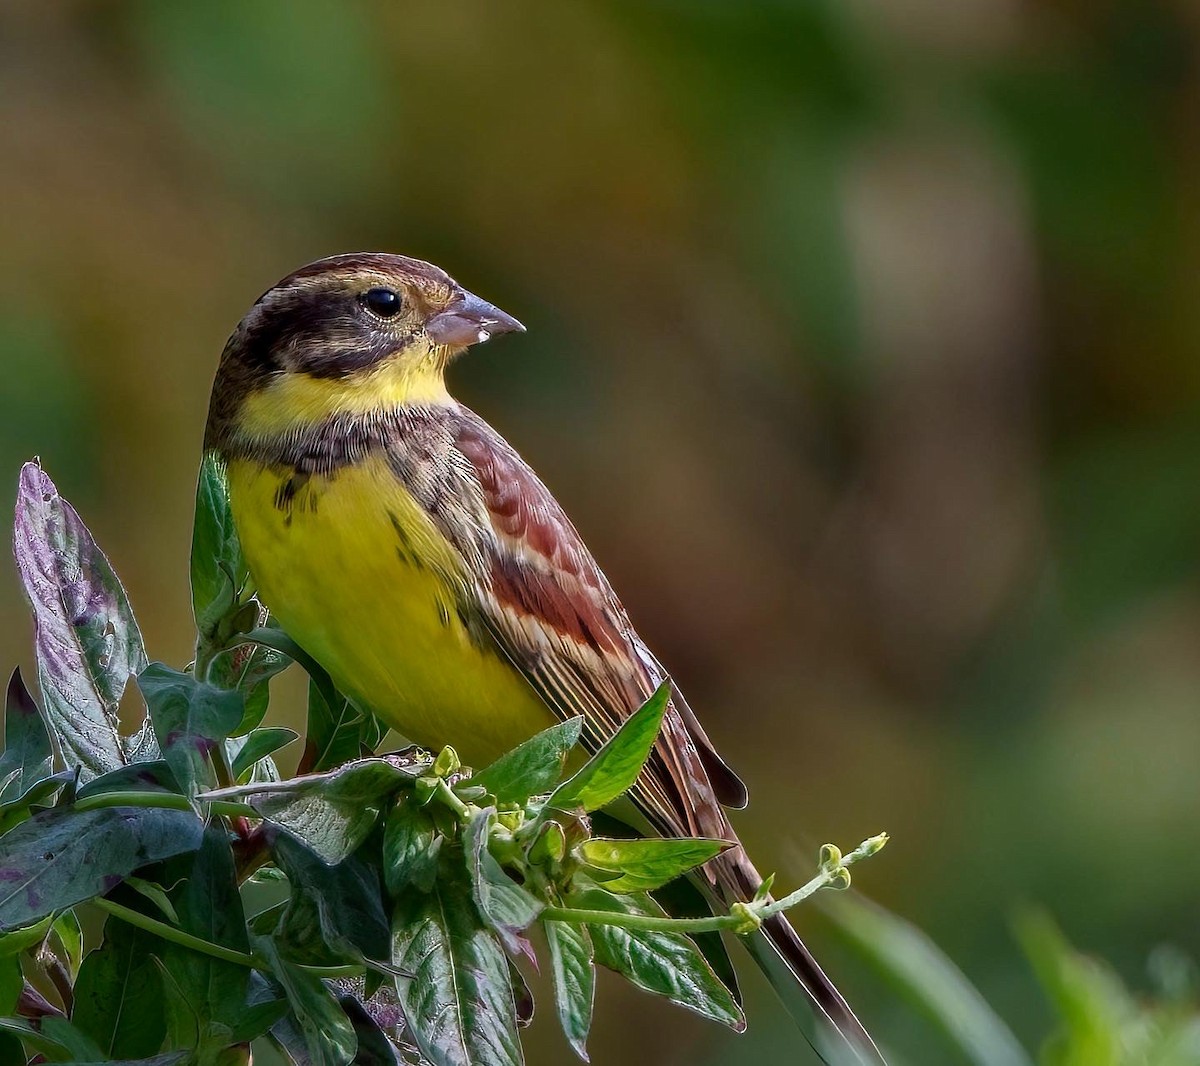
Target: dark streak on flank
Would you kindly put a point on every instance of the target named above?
(285, 495)
(405, 550)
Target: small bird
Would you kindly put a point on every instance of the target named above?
(405, 545)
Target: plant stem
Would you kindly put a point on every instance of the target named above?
(333, 973)
(205, 947)
(826, 876)
(167, 801)
(445, 794)
(648, 922)
(174, 935)
(759, 910)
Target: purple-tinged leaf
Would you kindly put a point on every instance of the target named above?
(153, 776)
(88, 643)
(378, 1030)
(27, 752)
(63, 857)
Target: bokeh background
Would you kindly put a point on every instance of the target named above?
(862, 347)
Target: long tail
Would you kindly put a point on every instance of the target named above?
(789, 966)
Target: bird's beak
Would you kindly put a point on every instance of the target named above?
(470, 320)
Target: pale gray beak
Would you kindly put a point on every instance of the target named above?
(470, 320)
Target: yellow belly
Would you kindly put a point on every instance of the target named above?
(373, 606)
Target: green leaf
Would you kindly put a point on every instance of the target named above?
(459, 1000)
(1096, 1013)
(18, 940)
(411, 847)
(157, 895)
(27, 753)
(331, 907)
(66, 930)
(506, 907)
(338, 731)
(63, 857)
(12, 982)
(191, 720)
(38, 794)
(119, 995)
(56, 1039)
(11, 1049)
(88, 643)
(171, 1058)
(925, 977)
(332, 813)
(152, 776)
(142, 746)
(644, 864)
(667, 964)
(328, 1034)
(209, 906)
(574, 981)
(249, 669)
(79, 1046)
(615, 767)
(258, 745)
(37, 1039)
(219, 570)
(534, 767)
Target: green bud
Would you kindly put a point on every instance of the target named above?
(748, 919)
(874, 845)
(830, 857)
(839, 879)
(446, 763)
(511, 820)
(550, 846)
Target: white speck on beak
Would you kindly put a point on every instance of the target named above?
(482, 335)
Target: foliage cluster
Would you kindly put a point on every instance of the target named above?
(401, 890)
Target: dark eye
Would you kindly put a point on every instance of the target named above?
(383, 302)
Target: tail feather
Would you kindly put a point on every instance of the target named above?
(788, 964)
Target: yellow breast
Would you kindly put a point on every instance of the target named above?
(360, 577)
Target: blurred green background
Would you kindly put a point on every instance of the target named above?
(862, 347)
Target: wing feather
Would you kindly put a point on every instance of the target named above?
(552, 611)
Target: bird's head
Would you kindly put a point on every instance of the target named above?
(351, 332)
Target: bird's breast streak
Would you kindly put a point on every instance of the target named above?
(361, 578)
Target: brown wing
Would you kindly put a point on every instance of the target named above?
(553, 613)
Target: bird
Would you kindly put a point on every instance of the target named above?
(407, 548)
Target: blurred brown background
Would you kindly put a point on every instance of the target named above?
(862, 347)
